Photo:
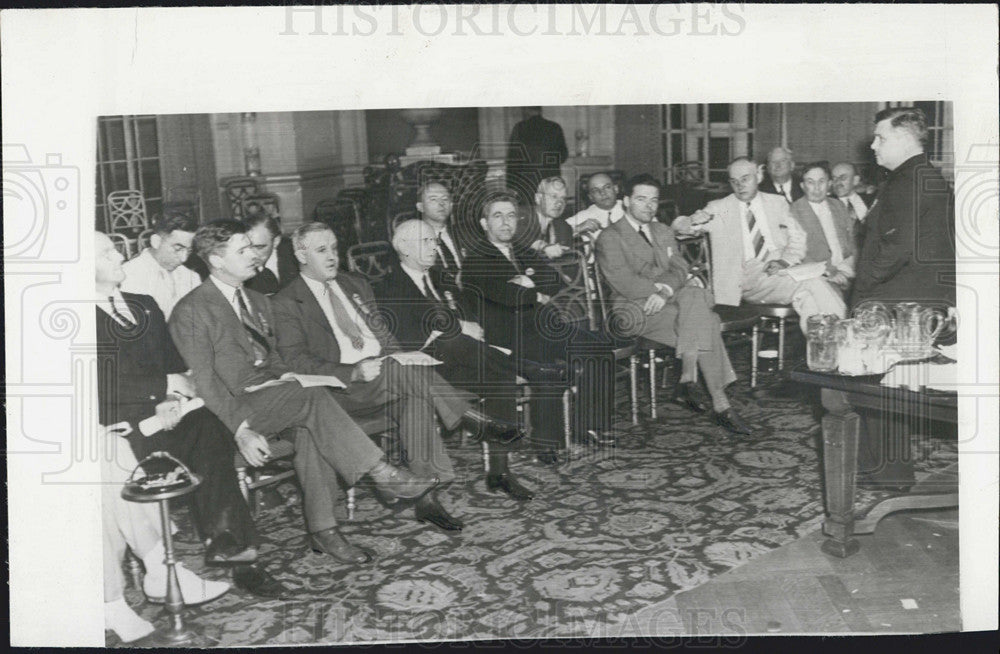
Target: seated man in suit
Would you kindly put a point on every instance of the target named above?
(419, 306)
(845, 185)
(224, 332)
(276, 263)
(754, 240)
(148, 381)
(607, 208)
(650, 285)
(158, 270)
(328, 324)
(781, 178)
(828, 228)
(516, 285)
(435, 206)
(543, 231)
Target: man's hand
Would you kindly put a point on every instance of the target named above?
(654, 303)
(538, 245)
(775, 266)
(366, 370)
(169, 413)
(252, 446)
(588, 225)
(472, 329)
(522, 280)
(554, 251)
(838, 279)
(543, 298)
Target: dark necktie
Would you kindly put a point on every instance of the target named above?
(119, 317)
(255, 332)
(781, 189)
(755, 236)
(448, 258)
(642, 233)
(851, 211)
(344, 322)
(429, 290)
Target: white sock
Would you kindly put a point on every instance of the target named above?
(126, 623)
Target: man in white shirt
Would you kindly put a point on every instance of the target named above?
(157, 271)
(845, 184)
(605, 210)
(829, 232)
(781, 179)
(435, 205)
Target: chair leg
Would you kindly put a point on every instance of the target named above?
(754, 344)
(781, 343)
(652, 384)
(134, 568)
(350, 503)
(486, 457)
(567, 431)
(241, 481)
(633, 373)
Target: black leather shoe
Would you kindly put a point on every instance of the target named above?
(508, 484)
(393, 484)
(540, 372)
(686, 394)
(255, 580)
(331, 542)
(548, 457)
(428, 509)
(492, 430)
(732, 421)
(225, 551)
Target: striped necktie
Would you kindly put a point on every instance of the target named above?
(344, 322)
(254, 330)
(448, 258)
(755, 235)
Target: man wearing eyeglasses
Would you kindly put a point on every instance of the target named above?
(157, 271)
(606, 209)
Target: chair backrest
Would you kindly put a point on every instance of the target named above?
(576, 297)
(185, 198)
(582, 197)
(236, 189)
(121, 244)
(126, 212)
(344, 218)
(261, 203)
(142, 242)
(373, 260)
(691, 173)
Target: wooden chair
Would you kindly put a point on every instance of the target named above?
(236, 189)
(142, 241)
(344, 218)
(250, 480)
(267, 203)
(373, 260)
(121, 244)
(126, 211)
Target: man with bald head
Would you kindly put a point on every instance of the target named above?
(754, 241)
(781, 178)
(606, 207)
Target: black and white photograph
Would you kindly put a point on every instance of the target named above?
(395, 349)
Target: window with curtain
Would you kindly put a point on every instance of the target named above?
(128, 157)
(940, 146)
(708, 136)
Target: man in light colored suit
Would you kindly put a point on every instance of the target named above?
(224, 333)
(652, 289)
(754, 241)
(828, 227)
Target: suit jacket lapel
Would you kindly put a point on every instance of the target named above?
(310, 306)
(227, 316)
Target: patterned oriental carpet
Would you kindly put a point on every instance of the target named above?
(678, 502)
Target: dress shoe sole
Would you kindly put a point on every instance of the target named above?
(525, 496)
(690, 405)
(231, 562)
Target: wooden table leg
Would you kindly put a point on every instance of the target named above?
(840, 463)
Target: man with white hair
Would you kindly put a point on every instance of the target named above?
(543, 231)
(781, 178)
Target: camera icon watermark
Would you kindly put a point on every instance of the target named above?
(41, 205)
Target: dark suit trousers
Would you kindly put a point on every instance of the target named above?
(416, 394)
(203, 444)
(328, 443)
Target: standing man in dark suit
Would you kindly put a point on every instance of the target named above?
(536, 151)
(276, 263)
(516, 287)
(845, 182)
(781, 178)
(224, 332)
(651, 285)
(148, 380)
(544, 231)
(908, 256)
(328, 324)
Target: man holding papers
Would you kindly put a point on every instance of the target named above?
(225, 334)
(327, 323)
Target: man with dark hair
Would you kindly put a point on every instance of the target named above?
(327, 325)
(536, 151)
(829, 230)
(435, 206)
(276, 264)
(157, 271)
(224, 332)
(517, 287)
(781, 178)
(652, 289)
(845, 182)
